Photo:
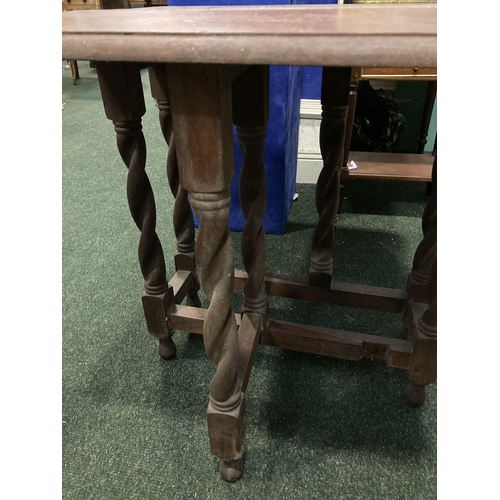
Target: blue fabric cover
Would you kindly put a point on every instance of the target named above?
(311, 75)
(287, 85)
(280, 157)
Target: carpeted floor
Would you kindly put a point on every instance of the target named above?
(134, 426)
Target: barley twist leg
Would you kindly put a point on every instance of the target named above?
(123, 99)
(250, 98)
(182, 217)
(334, 100)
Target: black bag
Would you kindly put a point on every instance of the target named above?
(378, 122)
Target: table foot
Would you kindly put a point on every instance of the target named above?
(231, 470)
(167, 349)
(415, 394)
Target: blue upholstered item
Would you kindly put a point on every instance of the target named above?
(280, 157)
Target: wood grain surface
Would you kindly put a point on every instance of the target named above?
(326, 35)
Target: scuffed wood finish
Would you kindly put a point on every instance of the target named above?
(306, 338)
(321, 35)
(205, 100)
(334, 101)
(202, 121)
(123, 99)
(250, 100)
(71, 5)
(337, 343)
(341, 294)
(183, 216)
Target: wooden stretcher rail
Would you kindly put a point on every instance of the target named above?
(311, 339)
(181, 283)
(342, 294)
(325, 35)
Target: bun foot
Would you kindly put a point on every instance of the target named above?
(231, 470)
(415, 394)
(166, 348)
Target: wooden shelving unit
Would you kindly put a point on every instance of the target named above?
(390, 166)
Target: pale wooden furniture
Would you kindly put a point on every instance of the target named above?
(209, 69)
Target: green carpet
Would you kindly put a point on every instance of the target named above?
(134, 426)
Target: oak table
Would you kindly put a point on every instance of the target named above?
(209, 69)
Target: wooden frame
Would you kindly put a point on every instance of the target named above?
(198, 104)
(71, 5)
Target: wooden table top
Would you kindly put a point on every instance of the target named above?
(321, 35)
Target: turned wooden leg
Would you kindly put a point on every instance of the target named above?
(183, 216)
(201, 111)
(334, 101)
(74, 71)
(420, 312)
(423, 364)
(250, 98)
(123, 99)
(426, 251)
(351, 111)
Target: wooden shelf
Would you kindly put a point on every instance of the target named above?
(391, 166)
